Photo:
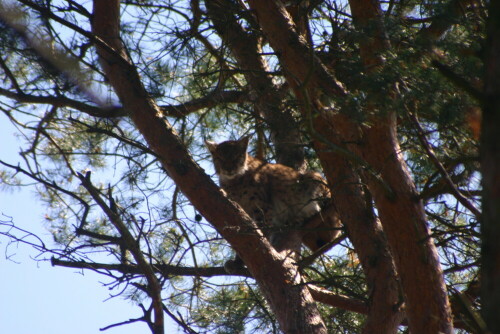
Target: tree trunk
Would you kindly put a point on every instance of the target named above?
(365, 232)
(402, 215)
(490, 162)
(405, 224)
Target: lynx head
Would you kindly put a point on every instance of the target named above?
(229, 157)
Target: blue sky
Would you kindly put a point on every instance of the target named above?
(38, 298)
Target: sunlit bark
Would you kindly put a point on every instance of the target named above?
(401, 213)
(364, 229)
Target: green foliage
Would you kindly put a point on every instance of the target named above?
(238, 305)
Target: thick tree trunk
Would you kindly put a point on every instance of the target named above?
(276, 275)
(405, 224)
(402, 215)
(365, 232)
(490, 167)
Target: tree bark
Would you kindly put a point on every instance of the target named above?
(490, 162)
(403, 218)
(298, 61)
(385, 311)
(401, 213)
(275, 273)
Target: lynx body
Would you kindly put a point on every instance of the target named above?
(278, 197)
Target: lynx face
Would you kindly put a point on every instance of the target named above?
(229, 157)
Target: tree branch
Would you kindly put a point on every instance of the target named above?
(459, 81)
(62, 101)
(292, 49)
(329, 298)
(321, 295)
(164, 269)
(132, 245)
(442, 22)
(211, 100)
(179, 110)
(246, 46)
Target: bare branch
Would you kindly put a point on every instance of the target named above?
(329, 298)
(62, 101)
(161, 268)
(133, 245)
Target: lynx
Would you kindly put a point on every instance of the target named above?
(279, 198)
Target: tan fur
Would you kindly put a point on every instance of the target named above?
(278, 197)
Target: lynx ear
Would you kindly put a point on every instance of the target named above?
(211, 145)
(244, 140)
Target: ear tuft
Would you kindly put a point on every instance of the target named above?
(212, 146)
(244, 140)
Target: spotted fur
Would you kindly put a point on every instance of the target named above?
(278, 197)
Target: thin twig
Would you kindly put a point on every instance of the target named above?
(134, 248)
(444, 174)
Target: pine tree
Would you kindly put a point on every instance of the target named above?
(114, 101)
